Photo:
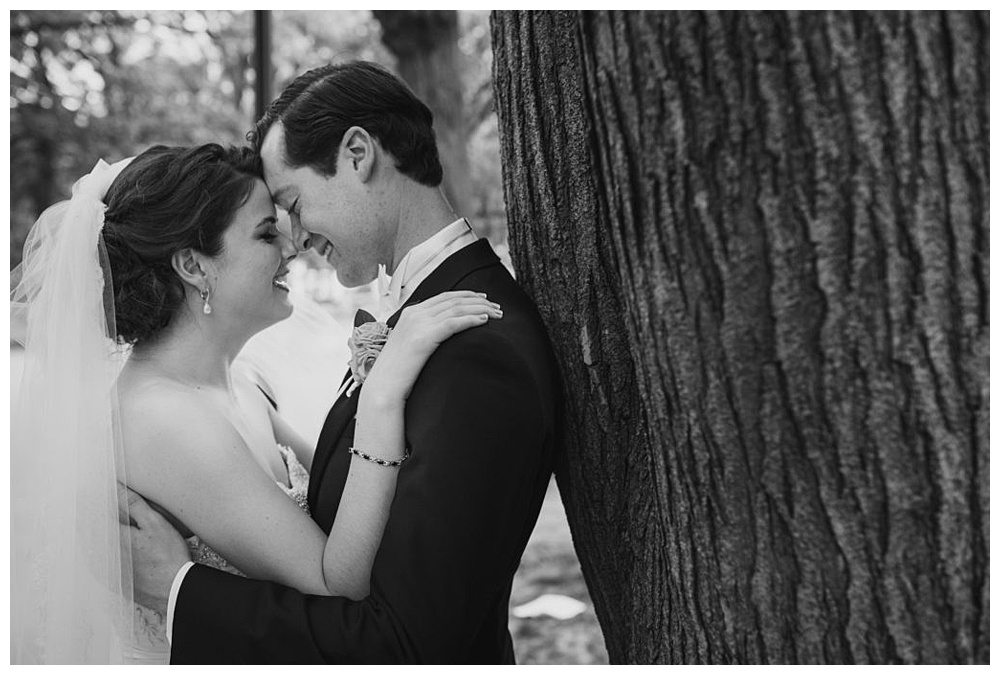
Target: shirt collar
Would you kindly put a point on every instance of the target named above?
(420, 261)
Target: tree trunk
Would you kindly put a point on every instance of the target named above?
(425, 43)
(760, 243)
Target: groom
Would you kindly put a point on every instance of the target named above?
(349, 151)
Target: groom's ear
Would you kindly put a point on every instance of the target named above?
(358, 147)
(188, 264)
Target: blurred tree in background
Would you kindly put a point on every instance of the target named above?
(87, 85)
(425, 44)
(94, 84)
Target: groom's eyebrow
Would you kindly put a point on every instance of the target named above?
(270, 220)
(279, 195)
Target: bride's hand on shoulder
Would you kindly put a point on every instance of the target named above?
(418, 333)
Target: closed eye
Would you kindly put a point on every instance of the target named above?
(266, 230)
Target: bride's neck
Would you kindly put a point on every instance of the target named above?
(190, 352)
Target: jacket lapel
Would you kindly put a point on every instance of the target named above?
(340, 415)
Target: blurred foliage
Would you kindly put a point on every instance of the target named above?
(95, 84)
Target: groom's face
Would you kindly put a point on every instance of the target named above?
(333, 215)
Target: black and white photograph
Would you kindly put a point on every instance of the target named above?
(499, 337)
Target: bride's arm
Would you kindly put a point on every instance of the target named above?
(194, 464)
(186, 457)
(364, 505)
(368, 493)
(203, 474)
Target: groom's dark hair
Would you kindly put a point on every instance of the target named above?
(319, 106)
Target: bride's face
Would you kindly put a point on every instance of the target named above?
(250, 288)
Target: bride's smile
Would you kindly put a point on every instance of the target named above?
(250, 272)
(280, 282)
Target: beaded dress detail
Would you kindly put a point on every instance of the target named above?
(151, 644)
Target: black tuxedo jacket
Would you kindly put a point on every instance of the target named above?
(481, 427)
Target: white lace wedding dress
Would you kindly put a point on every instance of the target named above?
(151, 646)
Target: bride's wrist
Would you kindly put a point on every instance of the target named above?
(381, 400)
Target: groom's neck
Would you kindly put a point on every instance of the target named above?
(423, 212)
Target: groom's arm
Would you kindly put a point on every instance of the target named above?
(465, 503)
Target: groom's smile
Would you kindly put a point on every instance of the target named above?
(338, 213)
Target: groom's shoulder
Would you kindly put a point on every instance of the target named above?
(522, 325)
(515, 346)
(501, 287)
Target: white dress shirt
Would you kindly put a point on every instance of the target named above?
(415, 266)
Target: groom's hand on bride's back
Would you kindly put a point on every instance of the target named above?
(158, 551)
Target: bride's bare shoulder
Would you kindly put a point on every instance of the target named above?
(148, 402)
(169, 428)
(178, 446)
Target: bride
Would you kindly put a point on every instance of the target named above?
(133, 299)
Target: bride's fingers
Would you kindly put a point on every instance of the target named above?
(456, 324)
(464, 306)
(440, 299)
(444, 315)
(470, 307)
(463, 316)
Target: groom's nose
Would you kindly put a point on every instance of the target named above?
(300, 236)
(289, 249)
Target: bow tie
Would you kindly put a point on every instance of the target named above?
(362, 317)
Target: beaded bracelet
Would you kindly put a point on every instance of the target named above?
(380, 462)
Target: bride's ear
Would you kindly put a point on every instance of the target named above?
(190, 267)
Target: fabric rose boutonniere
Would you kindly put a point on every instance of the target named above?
(366, 343)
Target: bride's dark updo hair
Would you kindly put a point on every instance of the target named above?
(166, 200)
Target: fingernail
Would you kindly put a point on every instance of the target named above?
(481, 295)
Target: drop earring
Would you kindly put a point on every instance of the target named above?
(206, 308)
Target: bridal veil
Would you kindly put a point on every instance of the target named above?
(71, 577)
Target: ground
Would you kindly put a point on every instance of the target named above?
(550, 565)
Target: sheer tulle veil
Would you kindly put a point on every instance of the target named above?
(71, 578)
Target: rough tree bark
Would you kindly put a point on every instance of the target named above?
(760, 243)
(425, 43)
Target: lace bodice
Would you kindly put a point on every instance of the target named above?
(152, 645)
